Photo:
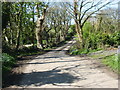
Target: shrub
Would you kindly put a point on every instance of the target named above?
(7, 59)
(7, 62)
(117, 38)
(112, 62)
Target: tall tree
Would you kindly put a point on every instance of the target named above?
(20, 25)
(39, 26)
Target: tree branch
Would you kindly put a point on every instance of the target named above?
(93, 13)
(89, 9)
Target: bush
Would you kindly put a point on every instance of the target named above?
(117, 38)
(94, 39)
(112, 62)
(7, 62)
(7, 58)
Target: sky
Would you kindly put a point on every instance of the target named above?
(114, 3)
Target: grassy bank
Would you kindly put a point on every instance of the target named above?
(7, 63)
(76, 51)
(112, 62)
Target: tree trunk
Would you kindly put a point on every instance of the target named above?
(33, 27)
(39, 28)
(20, 27)
(79, 32)
(38, 34)
(18, 39)
(78, 28)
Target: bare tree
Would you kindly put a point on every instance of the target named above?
(82, 10)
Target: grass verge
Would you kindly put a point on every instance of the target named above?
(112, 62)
(74, 51)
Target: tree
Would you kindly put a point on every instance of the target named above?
(5, 13)
(21, 28)
(20, 25)
(81, 15)
(39, 26)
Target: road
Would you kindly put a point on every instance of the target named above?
(56, 69)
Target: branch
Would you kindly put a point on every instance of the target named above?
(81, 6)
(71, 6)
(89, 9)
(86, 4)
(93, 13)
(70, 13)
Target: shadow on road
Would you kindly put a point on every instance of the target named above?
(41, 78)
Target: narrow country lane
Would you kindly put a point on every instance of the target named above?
(55, 69)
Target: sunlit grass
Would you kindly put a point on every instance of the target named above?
(74, 51)
(112, 62)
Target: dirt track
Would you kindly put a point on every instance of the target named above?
(55, 69)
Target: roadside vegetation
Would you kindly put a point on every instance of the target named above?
(98, 33)
(112, 62)
(95, 40)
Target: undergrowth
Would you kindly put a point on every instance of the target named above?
(112, 62)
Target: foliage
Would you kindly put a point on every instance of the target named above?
(98, 34)
(116, 37)
(5, 14)
(7, 62)
(19, 28)
(75, 51)
(112, 62)
(29, 51)
(71, 30)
